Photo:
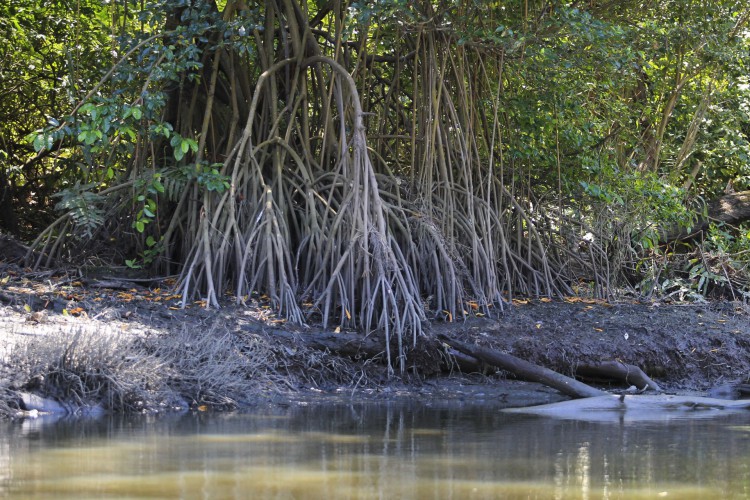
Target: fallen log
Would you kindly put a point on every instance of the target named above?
(469, 364)
(524, 369)
(631, 375)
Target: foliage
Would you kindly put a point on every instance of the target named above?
(365, 156)
(721, 266)
(50, 54)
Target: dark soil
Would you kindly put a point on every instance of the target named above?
(684, 347)
(681, 346)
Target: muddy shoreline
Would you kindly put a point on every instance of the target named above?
(193, 358)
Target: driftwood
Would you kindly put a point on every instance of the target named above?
(631, 375)
(524, 369)
(634, 409)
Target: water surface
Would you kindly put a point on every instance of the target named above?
(374, 450)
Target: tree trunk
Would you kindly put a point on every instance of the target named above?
(732, 209)
(8, 218)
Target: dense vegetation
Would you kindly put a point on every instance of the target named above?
(379, 162)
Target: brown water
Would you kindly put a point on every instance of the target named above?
(375, 451)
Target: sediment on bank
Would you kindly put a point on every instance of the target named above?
(91, 366)
(122, 350)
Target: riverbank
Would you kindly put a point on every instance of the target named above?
(127, 345)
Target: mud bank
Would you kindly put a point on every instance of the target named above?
(127, 347)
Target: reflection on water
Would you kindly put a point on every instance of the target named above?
(374, 451)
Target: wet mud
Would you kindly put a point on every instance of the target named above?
(687, 348)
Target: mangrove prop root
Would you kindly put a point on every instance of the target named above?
(524, 369)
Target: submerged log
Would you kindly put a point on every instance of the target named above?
(630, 374)
(524, 369)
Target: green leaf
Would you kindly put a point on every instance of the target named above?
(131, 264)
(150, 241)
(140, 226)
(137, 113)
(91, 137)
(42, 141)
